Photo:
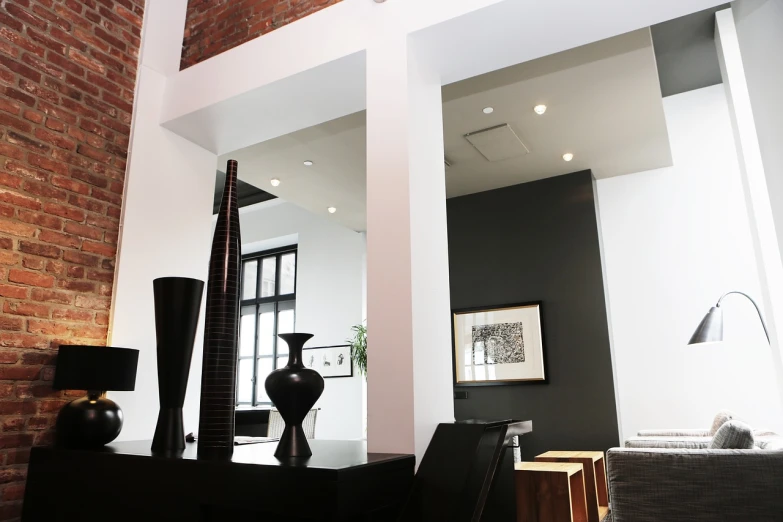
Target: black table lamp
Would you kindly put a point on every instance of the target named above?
(94, 420)
(710, 329)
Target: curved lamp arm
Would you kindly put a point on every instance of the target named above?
(761, 317)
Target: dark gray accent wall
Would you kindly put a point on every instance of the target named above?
(530, 242)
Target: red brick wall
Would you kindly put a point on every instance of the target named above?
(214, 26)
(67, 74)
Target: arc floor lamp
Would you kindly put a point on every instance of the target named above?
(710, 329)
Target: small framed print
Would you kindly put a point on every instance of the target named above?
(329, 361)
(499, 345)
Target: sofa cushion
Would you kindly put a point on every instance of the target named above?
(770, 443)
(720, 419)
(733, 434)
(669, 442)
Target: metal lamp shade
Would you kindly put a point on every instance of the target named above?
(96, 368)
(710, 329)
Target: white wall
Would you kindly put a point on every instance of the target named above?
(674, 240)
(160, 235)
(328, 295)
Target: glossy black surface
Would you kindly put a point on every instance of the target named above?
(464, 470)
(177, 307)
(221, 329)
(89, 422)
(293, 390)
(104, 368)
(126, 482)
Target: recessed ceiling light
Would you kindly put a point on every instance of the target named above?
(540, 109)
(274, 181)
(488, 110)
(568, 156)
(332, 210)
(308, 163)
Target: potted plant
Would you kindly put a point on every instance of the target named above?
(359, 348)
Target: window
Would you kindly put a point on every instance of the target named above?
(267, 309)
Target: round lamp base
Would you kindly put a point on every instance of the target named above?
(89, 422)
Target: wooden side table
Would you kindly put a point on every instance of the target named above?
(550, 492)
(595, 478)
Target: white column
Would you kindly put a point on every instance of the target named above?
(759, 26)
(757, 196)
(408, 308)
(166, 221)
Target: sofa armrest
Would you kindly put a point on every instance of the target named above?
(680, 485)
(669, 442)
(674, 433)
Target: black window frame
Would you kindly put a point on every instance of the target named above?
(279, 302)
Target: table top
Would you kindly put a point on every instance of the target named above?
(594, 455)
(559, 467)
(327, 454)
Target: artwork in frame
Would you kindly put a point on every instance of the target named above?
(499, 345)
(329, 361)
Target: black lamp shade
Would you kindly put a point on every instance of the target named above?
(710, 329)
(96, 368)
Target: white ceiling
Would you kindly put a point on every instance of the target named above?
(604, 106)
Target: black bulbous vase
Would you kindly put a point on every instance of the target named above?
(294, 390)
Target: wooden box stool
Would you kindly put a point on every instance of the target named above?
(550, 492)
(595, 478)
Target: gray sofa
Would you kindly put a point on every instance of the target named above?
(694, 485)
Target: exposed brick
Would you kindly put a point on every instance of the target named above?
(84, 231)
(33, 263)
(8, 357)
(20, 200)
(26, 309)
(18, 373)
(67, 80)
(13, 324)
(70, 185)
(67, 314)
(96, 275)
(92, 303)
(46, 191)
(24, 141)
(16, 229)
(80, 258)
(17, 408)
(30, 278)
(42, 220)
(51, 296)
(9, 258)
(66, 240)
(64, 211)
(46, 327)
(39, 249)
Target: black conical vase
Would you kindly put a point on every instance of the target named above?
(177, 306)
(221, 330)
(293, 390)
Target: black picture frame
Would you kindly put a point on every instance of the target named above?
(350, 359)
(475, 309)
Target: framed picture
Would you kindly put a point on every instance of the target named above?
(329, 361)
(499, 345)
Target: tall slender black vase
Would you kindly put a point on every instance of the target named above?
(293, 390)
(177, 306)
(221, 330)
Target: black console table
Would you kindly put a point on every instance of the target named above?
(124, 482)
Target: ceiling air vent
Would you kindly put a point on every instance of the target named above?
(497, 143)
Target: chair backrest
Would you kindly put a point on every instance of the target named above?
(276, 424)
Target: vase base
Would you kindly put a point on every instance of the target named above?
(293, 444)
(169, 432)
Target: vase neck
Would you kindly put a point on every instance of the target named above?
(295, 343)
